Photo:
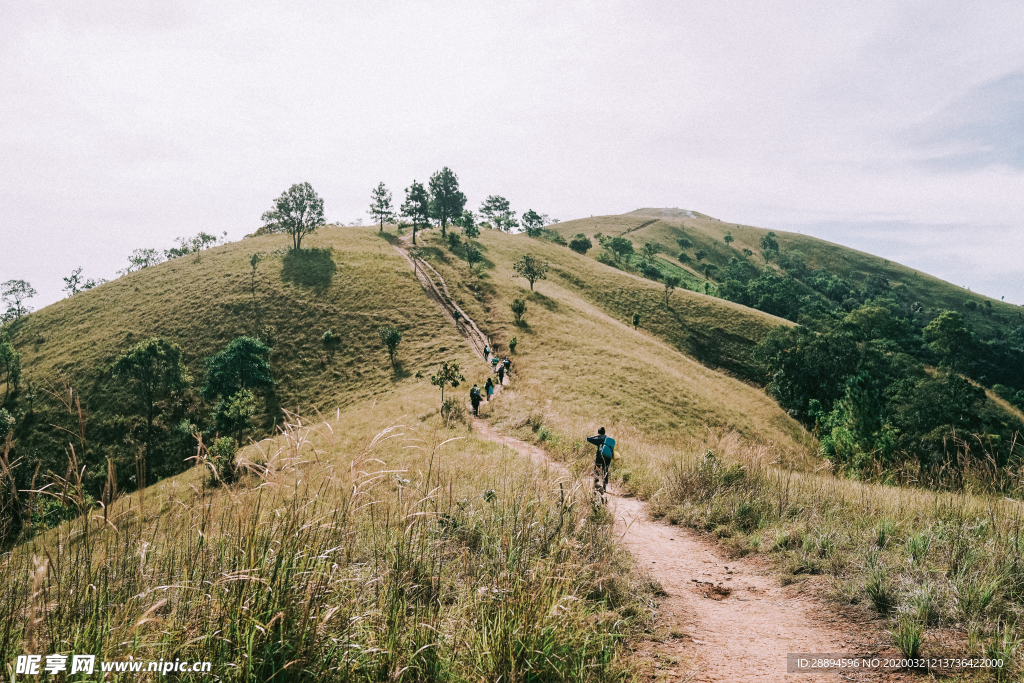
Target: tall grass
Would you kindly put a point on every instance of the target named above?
(416, 557)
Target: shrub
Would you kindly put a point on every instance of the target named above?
(518, 310)
(222, 457)
(908, 636)
(880, 591)
(512, 344)
(581, 244)
(453, 411)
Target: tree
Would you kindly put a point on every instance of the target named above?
(650, 251)
(728, 239)
(531, 268)
(141, 258)
(380, 205)
(532, 223)
(75, 283)
(619, 246)
(299, 211)
(581, 244)
(499, 213)
(747, 253)
(454, 242)
(473, 255)
(708, 269)
(684, 243)
(467, 221)
(684, 257)
(243, 364)
(390, 337)
(518, 310)
(193, 245)
(446, 201)
(671, 282)
(234, 414)
(949, 338)
(15, 293)
(155, 370)
(769, 243)
(11, 361)
(700, 254)
(416, 207)
(636, 320)
(447, 375)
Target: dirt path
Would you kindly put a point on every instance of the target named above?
(721, 620)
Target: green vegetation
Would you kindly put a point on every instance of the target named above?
(380, 206)
(531, 268)
(446, 201)
(390, 337)
(518, 310)
(15, 293)
(499, 213)
(416, 208)
(298, 212)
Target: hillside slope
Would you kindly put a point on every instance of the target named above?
(665, 226)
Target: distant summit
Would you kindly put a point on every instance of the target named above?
(666, 213)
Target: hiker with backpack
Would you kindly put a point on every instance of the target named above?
(494, 364)
(605, 452)
(487, 351)
(501, 374)
(474, 398)
(489, 388)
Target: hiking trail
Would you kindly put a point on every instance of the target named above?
(722, 619)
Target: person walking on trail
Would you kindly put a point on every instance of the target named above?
(489, 388)
(487, 351)
(474, 398)
(508, 365)
(605, 452)
(501, 374)
(494, 364)
(457, 314)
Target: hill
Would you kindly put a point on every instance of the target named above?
(908, 286)
(351, 281)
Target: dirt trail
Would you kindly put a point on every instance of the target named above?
(722, 619)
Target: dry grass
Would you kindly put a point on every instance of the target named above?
(350, 552)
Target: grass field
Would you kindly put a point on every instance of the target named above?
(376, 546)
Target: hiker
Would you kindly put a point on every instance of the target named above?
(501, 374)
(457, 314)
(508, 367)
(474, 398)
(489, 387)
(487, 351)
(603, 459)
(494, 364)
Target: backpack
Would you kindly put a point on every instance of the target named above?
(475, 393)
(608, 447)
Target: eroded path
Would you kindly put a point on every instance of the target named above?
(721, 620)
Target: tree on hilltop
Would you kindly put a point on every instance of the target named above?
(446, 201)
(380, 205)
(671, 282)
(299, 211)
(75, 283)
(416, 207)
(619, 246)
(499, 213)
(532, 223)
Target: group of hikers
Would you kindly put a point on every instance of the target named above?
(605, 444)
(500, 368)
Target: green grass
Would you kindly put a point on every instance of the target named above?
(664, 226)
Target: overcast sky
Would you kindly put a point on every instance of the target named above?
(893, 127)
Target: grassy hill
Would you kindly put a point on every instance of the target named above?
(575, 349)
(665, 226)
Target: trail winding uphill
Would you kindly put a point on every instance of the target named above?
(722, 619)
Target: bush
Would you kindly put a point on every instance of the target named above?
(651, 271)
(512, 344)
(453, 411)
(581, 244)
(222, 457)
(518, 310)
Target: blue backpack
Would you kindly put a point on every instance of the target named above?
(608, 448)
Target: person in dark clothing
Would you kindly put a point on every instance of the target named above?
(474, 398)
(457, 314)
(489, 388)
(603, 459)
(508, 366)
(487, 351)
(501, 374)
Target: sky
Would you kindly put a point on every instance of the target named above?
(895, 128)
